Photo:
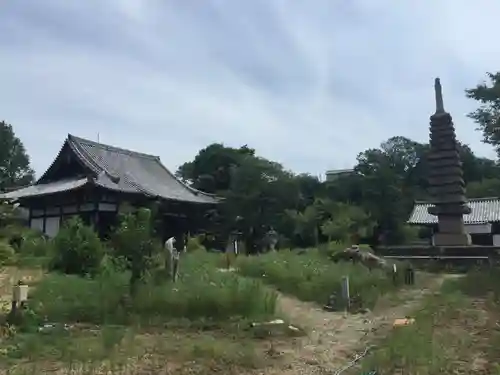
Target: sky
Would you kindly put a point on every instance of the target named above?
(309, 84)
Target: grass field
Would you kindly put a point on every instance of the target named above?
(201, 324)
(312, 277)
(456, 331)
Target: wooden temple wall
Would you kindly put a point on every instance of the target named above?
(49, 214)
(99, 209)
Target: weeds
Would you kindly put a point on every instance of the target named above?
(201, 293)
(455, 331)
(312, 277)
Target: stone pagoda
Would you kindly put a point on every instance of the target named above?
(446, 184)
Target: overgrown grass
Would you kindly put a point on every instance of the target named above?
(310, 276)
(456, 331)
(124, 350)
(202, 292)
(204, 316)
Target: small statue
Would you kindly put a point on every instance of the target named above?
(232, 248)
(272, 239)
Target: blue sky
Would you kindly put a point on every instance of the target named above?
(307, 83)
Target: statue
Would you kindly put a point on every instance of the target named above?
(271, 239)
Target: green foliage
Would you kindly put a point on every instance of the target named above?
(345, 221)
(487, 116)
(7, 254)
(202, 292)
(420, 348)
(311, 277)
(195, 244)
(211, 169)
(306, 224)
(410, 233)
(77, 249)
(487, 188)
(386, 182)
(465, 312)
(134, 242)
(15, 167)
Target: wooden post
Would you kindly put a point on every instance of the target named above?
(175, 265)
(346, 297)
(394, 274)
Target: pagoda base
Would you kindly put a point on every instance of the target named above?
(452, 239)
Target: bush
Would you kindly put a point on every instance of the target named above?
(77, 249)
(133, 241)
(195, 244)
(7, 254)
(36, 246)
(202, 292)
(311, 277)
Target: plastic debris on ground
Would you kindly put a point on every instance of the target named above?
(403, 322)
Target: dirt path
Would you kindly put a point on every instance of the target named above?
(334, 337)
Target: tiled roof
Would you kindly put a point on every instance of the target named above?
(134, 172)
(483, 210)
(339, 171)
(45, 189)
(120, 170)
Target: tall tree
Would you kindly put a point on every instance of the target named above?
(210, 170)
(15, 167)
(487, 116)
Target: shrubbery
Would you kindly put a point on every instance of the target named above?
(7, 254)
(312, 277)
(134, 242)
(202, 292)
(77, 249)
(117, 283)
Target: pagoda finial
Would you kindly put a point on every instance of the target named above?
(439, 96)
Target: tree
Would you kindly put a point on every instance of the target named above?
(210, 170)
(259, 194)
(15, 167)
(487, 116)
(487, 188)
(134, 241)
(77, 249)
(256, 190)
(345, 221)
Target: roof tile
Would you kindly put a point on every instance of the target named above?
(134, 172)
(483, 210)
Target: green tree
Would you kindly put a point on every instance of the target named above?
(306, 225)
(256, 190)
(210, 170)
(259, 194)
(487, 116)
(77, 249)
(134, 242)
(346, 221)
(15, 167)
(489, 187)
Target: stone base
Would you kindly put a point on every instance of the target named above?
(452, 239)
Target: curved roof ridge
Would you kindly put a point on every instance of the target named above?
(193, 190)
(111, 148)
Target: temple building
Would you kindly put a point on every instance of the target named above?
(482, 223)
(92, 180)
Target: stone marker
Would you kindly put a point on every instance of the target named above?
(346, 297)
(446, 184)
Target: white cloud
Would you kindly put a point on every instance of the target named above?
(309, 84)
